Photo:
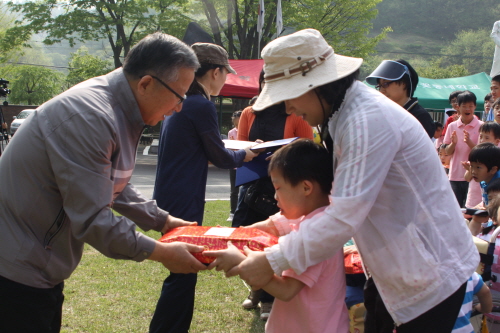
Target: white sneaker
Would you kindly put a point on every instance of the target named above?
(265, 310)
(252, 300)
(230, 218)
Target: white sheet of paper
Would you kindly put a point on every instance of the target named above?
(218, 231)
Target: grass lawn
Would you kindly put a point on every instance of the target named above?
(106, 295)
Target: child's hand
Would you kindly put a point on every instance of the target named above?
(454, 138)
(225, 259)
(480, 206)
(466, 165)
(267, 226)
(466, 136)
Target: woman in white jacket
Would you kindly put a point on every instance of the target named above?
(390, 193)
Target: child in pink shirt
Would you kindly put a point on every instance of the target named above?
(488, 132)
(314, 300)
(461, 136)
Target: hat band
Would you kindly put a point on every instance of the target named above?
(303, 68)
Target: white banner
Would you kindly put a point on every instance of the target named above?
(279, 19)
(260, 21)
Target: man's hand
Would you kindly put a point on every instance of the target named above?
(267, 226)
(225, 259)
(174, 222)
(255, 269)
(177, 257)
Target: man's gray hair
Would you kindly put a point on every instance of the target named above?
(161, 55)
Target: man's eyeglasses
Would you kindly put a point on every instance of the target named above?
(383, 85)
(181, 98)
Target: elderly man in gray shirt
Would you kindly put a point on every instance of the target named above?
(69, 166)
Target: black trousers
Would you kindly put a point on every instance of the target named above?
(460, 188)
(439, 319)
(175, 316)
(28, 309)
(234, 190)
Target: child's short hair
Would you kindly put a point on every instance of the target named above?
(304, 160)
(466, 96)
(490, 126)
(495, 103)
(486, 153)
(437, 125)
(443, 146)
(493, 186)
(496, 78)
(236, 114)
(492, 208)
(488, 97)
(454, 94)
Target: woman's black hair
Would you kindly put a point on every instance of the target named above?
(261, 80)
(196, 88)
(334, 92)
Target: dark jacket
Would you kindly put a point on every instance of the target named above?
(422, 116)
(188, 141)
(68, 164)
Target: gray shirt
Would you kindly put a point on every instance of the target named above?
(61, 174)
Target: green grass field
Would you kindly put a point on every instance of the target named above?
(106, 295)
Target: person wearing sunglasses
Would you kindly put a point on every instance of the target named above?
(398, 80)
(189, 140)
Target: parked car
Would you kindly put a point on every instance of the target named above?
(19, 119)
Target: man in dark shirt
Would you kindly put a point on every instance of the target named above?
(398, 80)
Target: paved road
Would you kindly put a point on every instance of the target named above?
(143, 178)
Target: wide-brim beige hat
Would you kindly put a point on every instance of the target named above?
(300, 62)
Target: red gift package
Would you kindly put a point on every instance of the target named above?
(215, 238)
(352, 264)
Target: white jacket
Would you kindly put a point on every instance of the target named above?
(391, 193)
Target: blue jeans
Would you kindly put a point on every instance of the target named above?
(170, 316)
